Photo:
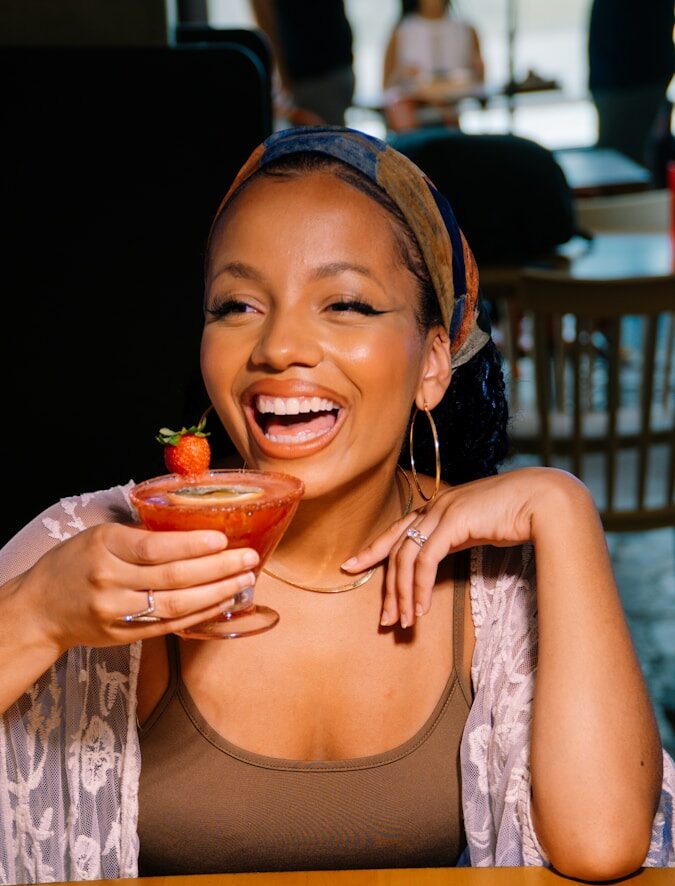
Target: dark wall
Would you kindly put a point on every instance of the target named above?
(87, 22)
(113, 163)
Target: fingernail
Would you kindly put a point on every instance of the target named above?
(404, 621)
(246, 580)
(250, 558)
(385, 620)
(226, 605)
(217, 542)
(419, 610)
(348, 564)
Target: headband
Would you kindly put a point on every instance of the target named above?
(448, 258)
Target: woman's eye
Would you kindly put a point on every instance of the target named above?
(355, 305)
(228, 307)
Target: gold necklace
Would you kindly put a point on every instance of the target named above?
(362, 579)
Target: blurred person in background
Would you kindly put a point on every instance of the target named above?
(630, 62)
(432, 55)
(312, 47)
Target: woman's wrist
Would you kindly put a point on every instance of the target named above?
(559, 505)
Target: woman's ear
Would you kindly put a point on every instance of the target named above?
(437, 370)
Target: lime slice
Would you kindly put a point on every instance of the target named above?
(214, 495)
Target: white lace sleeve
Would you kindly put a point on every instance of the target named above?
(495, 751)
(69, 755)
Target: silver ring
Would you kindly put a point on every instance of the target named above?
(416, 536)
(145, 614)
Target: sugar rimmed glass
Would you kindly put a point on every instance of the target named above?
(253, 509)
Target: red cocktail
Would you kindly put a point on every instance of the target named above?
(252, 508)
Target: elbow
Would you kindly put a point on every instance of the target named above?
(605, 859)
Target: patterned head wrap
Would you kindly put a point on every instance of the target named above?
(450, 262)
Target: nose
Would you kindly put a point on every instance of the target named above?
(287, 339)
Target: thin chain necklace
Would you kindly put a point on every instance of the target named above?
(362, 579)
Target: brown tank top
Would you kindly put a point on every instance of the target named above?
(208, 806)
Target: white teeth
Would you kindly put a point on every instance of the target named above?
(294, 438)
(293, 405)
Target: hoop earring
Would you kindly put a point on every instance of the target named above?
(434, 433)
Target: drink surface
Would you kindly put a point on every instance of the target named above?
(253, 508)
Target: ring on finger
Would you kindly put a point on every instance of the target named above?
(145, 615)
(418, 537)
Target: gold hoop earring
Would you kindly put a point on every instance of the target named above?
(434, 433)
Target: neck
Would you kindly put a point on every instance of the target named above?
(329, 529)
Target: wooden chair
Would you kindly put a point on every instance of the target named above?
(600, 400)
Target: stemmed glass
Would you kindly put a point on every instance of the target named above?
(252, 508)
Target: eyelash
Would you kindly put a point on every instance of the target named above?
(230, 306)
(355, 304)
(233, 306)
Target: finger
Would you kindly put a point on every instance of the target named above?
(407, 556)
(417, 558)
(392, 608)
(177, 605)
(378, 549)
(181, 574)
(142, 546)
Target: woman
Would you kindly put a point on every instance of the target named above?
(341, 299)
(432, 57)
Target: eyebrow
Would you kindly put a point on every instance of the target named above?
(245, 271)
(332, 269)
(241, 270)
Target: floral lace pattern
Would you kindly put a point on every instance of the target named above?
(70, 758)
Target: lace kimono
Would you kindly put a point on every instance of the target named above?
(70, 759)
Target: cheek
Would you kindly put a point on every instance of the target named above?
(208, 362)
(390, 366)
(217, 367)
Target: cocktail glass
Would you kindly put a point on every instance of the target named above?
(252, 508)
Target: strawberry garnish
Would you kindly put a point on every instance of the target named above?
(186, 451)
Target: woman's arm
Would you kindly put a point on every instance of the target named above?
(595, 761)
(477, 63)
(390, 61)
(77, 591)
(595, 754)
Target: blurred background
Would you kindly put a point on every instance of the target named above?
(124, 123)
(550, 38)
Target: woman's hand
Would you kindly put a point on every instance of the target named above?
(500, 510)
(78, 592)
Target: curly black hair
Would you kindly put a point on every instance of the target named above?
(473, 415)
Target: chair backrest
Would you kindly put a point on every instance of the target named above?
(602, 401)
(114, 161)
(254, 39)
(510, 196)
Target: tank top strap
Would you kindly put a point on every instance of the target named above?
(173, 656)
(461, 572)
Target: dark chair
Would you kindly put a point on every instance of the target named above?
(252, 38)
(510, 196)
(113, 163)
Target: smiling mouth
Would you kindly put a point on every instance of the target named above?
(295, 419)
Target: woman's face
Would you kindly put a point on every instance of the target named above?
(311, 352)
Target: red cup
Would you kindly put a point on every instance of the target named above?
(670, 178)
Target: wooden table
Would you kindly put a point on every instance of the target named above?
(612, 256)
(592, 172)
(608, 256)
(397, 877)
